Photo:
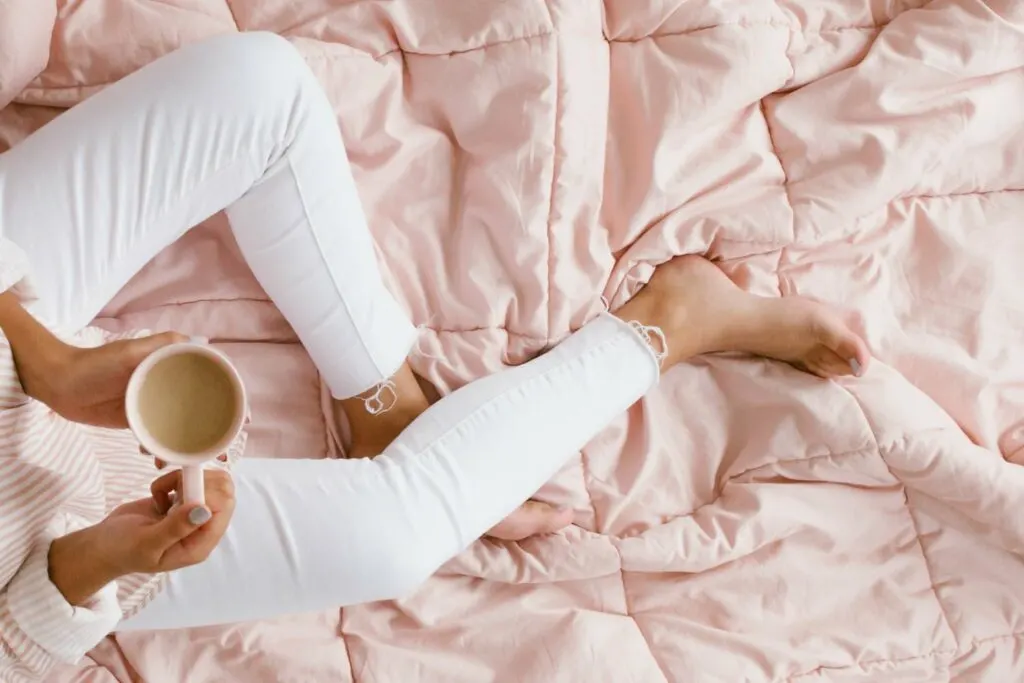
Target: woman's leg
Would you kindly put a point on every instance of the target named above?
(311, 535)
(318, 534)
(238, 122)
(235, 122)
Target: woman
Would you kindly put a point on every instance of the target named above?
(239, 123)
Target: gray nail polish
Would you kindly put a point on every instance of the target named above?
(855, 366)
(199, 516)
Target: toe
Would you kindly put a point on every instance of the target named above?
(831, 364)
(533, 518)
(817, 363)
(849, 349)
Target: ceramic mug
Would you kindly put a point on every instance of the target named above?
(186, 404)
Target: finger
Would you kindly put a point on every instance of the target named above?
(136, 350)
(219, 483)
(160, 464)
(197, 546)
(164, 487)
(218, 486)
(178, 525)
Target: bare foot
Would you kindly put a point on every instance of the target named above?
(532, 518)
(701, 310)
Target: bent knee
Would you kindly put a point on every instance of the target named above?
(260, 63)
(262, 51)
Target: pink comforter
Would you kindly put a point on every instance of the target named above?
(522, 158)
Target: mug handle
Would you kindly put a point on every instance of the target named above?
(192, 485)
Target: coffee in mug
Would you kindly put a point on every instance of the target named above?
(186, 404)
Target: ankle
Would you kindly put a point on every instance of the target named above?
(370, 431)
(655, 340)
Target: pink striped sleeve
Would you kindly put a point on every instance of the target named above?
(37, 621)
(55, 477)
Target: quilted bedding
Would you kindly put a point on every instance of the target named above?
(520, 159)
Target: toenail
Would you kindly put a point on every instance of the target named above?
(855, 366)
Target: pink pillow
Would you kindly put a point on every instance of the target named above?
(25, 30)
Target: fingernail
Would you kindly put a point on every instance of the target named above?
(199, 516)
(855, 366)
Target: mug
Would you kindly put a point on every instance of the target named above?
(186, 404)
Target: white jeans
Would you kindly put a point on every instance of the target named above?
(240, 123)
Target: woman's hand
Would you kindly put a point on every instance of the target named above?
(89, 385)
(164, 539)
(146, 536)
(82, 385)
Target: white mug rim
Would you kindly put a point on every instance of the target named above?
(135, 422)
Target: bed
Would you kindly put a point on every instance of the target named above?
(521, 160)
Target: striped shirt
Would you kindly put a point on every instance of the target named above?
(56, 477)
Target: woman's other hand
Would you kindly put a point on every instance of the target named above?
(147, 536)
(88, 385)
(83, 385)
